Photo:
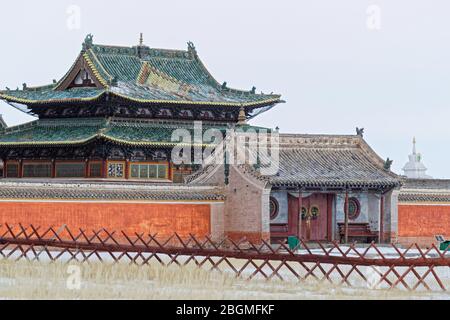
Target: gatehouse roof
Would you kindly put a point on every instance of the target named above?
(331, 161)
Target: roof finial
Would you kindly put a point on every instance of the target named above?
(191, 49)
(388, 164)
(414, 145)
(88, 42)
(242, 119)
(360, 132)
(141, 39)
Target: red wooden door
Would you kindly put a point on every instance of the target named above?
(314, 225)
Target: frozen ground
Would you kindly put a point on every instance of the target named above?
(38, 280)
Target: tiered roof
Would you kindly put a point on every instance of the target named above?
(142, 75)
(59, 132)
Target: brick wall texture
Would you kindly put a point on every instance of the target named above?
(161, 218)
(420, 223)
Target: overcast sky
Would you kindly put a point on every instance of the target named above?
(381, 65)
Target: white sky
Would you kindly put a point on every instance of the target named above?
(334, 72)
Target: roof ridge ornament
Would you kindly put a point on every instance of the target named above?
(360, 132)
(88, 42)
(388, 164)
(141, 39)
(192, 49)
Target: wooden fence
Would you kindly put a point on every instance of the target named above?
(353, 265)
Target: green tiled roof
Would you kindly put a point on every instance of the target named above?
(145, 75)
(78, 131)
(48, 94)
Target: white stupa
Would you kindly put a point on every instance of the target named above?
(415, 169)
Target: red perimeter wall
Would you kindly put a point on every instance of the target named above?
(164, 219)
(420, 223)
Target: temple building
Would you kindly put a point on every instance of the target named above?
(100, 155)
(113, 114)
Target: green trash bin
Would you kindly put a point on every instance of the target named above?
(293, 242)
(444, 245)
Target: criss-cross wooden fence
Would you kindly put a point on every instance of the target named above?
(373, 266)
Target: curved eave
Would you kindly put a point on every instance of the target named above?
(261, 103)
(203, 103)
(106, 137)
(33, 102)
(47, 143)
(151, 143)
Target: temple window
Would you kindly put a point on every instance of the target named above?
(354, 209)
(12, 170)
(37, 170)
(149, 171)
(274, 208)
(116, 170)
(70, 170)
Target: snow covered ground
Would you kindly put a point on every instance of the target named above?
(40, 280)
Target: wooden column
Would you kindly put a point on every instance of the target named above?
(20, 169)
(86, 169)
(293, 222)
(53, 169)
(299, 216)
(346, 217)
(4, 168)
(105, 169)
(169, 171)
(330, 217)
(381, 236)
(127, 170)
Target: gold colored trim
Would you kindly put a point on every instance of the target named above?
(233, 104)
(25, 101)
(94, 70)
(176, 102)
(121, 141)
(99, 63)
